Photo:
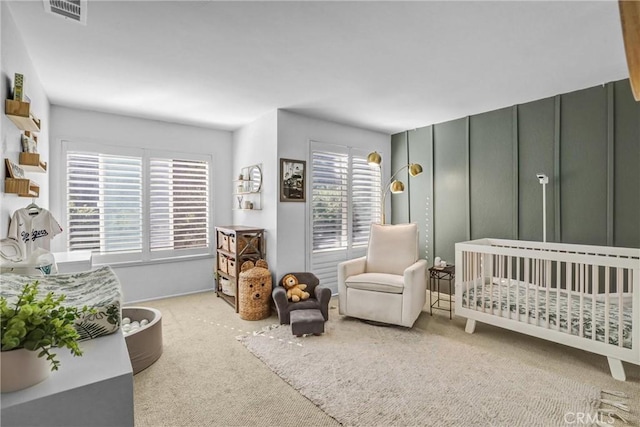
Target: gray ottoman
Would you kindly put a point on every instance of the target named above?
(308, 321)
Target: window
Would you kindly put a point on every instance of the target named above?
(104, 202)
(366, 184)
(329, 194)
(345, 200)
(179, 204)
(138, 205)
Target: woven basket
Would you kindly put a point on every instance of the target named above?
(254, 291)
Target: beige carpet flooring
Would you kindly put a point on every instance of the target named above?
(206, 377)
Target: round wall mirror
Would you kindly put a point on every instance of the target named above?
(255, 175)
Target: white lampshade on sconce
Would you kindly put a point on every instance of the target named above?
(394, 186)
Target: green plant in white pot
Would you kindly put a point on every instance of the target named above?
(31, 327)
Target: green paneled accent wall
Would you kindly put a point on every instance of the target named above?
(399, 202)
(492, 175)
(626, 196)
(421, 209)
(450, 198)
(484, 167)
(583, 166)
(536, 124)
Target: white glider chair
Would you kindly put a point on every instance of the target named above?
(389, 284)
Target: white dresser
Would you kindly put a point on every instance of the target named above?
(73, 262)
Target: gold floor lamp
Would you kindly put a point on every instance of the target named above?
(394, 186)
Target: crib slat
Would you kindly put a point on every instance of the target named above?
(500, 284)
(496, 259)
(582, 290)
(518, 289)
(569, 294)
(509, 284)
(558, 288)
(478, 259)
(547, 284)
(469, 256)
(483, 279)
(607, 307)
(470, 304)
(620, 290)
(594, 294)
(536, 276)
(527, 280)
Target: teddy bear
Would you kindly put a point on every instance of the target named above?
(295, 291)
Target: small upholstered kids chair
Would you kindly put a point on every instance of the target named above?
(318, 299)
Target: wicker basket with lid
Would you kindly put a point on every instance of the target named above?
(254, 290)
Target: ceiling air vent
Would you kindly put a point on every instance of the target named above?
(75, 10)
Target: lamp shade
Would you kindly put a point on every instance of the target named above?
(397, 187)
(415, 169)
(374, 159)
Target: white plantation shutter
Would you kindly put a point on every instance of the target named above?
(179, 204)
(345, 200)
(329, 186)
(131, 205)
(104, 202)
(365, 198)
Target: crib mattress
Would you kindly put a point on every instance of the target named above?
(510, 296)
(98, 289)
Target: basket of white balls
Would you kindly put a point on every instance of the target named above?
(142, 329)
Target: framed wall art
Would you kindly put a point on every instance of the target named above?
(292, 180)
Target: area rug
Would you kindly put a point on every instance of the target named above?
(367, 375)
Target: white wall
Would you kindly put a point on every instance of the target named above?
(283, 134)
(153, 280)
(256, 143)
(294, 134)
(14, 58)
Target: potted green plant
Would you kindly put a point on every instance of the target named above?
(31, 327)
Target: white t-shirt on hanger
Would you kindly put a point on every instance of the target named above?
(33, 230)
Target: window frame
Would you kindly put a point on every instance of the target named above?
(349, 151)
(146, 255)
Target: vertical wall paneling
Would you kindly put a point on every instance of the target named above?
(467, 164)
(420, 147)
(583, 162)
(536, 147)
(516, 175)
(399, 158)
(432, 217)
(482, 178)
(626, 213)
(449, 187)
(491, 174)
(556, 171)
(610, 160)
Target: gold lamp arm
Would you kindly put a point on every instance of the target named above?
(386, 189)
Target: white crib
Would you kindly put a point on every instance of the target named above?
(586, 297)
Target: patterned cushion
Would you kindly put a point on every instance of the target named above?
(512, 296)
(98, 289)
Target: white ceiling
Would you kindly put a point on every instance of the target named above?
(387, 66)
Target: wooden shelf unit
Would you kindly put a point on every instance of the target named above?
(20, 114)
(30, 162)
(235, 245)
(22, 187)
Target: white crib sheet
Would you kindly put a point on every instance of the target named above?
(512, 297)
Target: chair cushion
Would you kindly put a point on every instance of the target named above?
(377, 282)
(392, 248)
(308, 304)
